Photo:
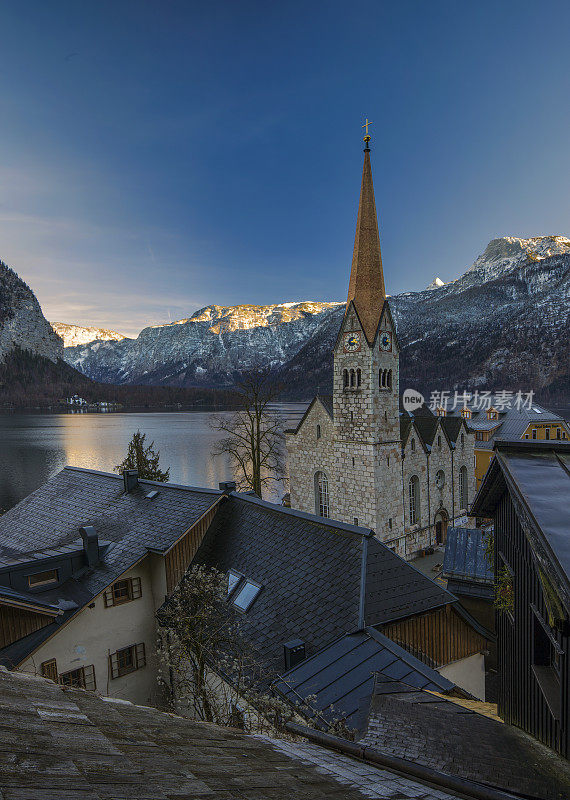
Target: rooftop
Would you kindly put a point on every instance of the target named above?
(67, 744)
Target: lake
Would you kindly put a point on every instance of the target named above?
(33, 447)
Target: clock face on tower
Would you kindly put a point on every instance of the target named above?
(385, 340)
(351, 342)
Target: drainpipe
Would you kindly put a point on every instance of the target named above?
(409, 768)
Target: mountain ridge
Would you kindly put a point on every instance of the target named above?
(516, 288)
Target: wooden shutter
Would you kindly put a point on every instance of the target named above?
(140, 655)
(49, 669)
(89, 678)
(108, 597)
(114, 665)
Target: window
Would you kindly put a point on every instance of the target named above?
(318, 431)
(82, 678)
(389, 379)
(353, 461)
(352, 416)
(463, 488)
(246, 595)
(385, 378)
(43, 578)
(441, 412)
(414, 497)
(466, 413)
(321, 494)
(122, 591)
(547, 433)
(352, 379)
(413, 445)
(558, 433)
(534, 433)
(233, 579)
(440, 479)
(356, 521)
(546, 654)
(127, 660)
(345, 378)
(439, 441)
(526, 436)
(49, 669)
(358, 377)
(387, 461)
(492, 413)
(462, 440)
(390, 523)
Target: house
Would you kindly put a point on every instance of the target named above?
(88, 559)
(526, 491)
(353, 457)
(85, 561)
(314, 580)
(506, 420)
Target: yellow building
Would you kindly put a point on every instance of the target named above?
(507, 424)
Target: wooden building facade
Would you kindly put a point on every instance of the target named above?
(527, 493)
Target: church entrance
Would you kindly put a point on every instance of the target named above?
(441, 522)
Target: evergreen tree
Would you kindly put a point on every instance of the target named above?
(144, 459)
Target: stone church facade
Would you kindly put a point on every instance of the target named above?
(354, 456)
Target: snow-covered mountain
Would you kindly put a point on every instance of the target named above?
(504, 320)
(74, 335)
(22, 324)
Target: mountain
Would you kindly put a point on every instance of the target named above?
(211, 348)
(503, 324)
(74, 335)
(22, 324)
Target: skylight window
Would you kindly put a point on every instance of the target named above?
(152, 494)
(246, 595)
(233, 579)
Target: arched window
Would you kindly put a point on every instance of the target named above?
(389, 379)
(413, 445)
(414, 497)
(352, 378)
(318, 431)
(345, 378)
(462, 440)
(358, 377)
(463, 498)
(321, 495)
(439, 441)
(440, 479)
(381, 378)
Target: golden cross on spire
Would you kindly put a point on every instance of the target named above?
(366, 124)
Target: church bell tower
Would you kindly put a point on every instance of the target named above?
(366, 383)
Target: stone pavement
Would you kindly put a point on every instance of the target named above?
(371, 781)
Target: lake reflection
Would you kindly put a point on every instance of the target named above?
(33, 447)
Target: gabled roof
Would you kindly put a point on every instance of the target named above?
(343, 675)
(465, 560)
(327, 403)
(537, 477)
(47, 523)
(279, 549)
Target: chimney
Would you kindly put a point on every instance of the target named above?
(294, 652)
(227, 486)
(131, 479)
(90, 544)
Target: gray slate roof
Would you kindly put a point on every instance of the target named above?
(48, 521)
(451, 738)
(67, 744)
(310, 571)
(343, 675)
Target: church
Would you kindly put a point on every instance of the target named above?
(354, 456)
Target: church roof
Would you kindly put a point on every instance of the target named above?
(366, 287)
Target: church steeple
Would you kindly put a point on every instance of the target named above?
(366, 287)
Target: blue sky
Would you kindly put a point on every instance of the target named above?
(156, 157)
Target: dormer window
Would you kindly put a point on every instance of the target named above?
(466, 413)
(441, 412)
(45, 578)
(492, 413)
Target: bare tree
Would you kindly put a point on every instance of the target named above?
(254, 440)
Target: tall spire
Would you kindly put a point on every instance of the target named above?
(366, 287)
